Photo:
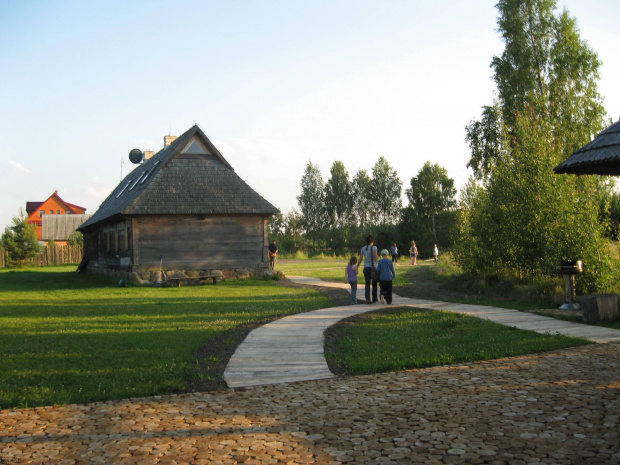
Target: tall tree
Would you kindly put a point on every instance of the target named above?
(294, 226)
(385, 195)
(548, 105)
(276, 225)
(312, 201)
(547, 67)
(362, 206)
(338, 196)
(431, 193)
(20, 240)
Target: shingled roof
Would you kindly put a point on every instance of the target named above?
(600, 156)
(188, 177)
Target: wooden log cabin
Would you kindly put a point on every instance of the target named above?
(184, 211)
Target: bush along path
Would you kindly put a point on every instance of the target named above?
(292, 348)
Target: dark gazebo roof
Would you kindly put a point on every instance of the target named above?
(188, 177)
(600, 156)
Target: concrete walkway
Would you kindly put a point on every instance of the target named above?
(291, 349)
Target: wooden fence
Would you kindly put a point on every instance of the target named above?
(48, 256)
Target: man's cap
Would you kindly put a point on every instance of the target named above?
(384, 252)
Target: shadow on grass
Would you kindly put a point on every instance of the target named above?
(48, 279)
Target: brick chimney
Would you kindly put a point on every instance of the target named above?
(148, 154)
(169, 140)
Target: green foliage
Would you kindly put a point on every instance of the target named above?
(385, 193)
(610, 215)
(337, 215)
(485, 141)
(312, 203)
(20, 240)
(338, 196)
(76, 238)
(432, 193)
(529, 219)
(412, 228)
(547, 67)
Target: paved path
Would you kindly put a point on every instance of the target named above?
(291, 349)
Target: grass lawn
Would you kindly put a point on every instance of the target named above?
(330, 269)
(67, 337)
(404, 338)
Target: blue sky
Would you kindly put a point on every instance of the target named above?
(273, 84)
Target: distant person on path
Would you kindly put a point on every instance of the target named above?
(273, 254)
(387, 274)
(350, 276)
(394, 254)
(436, 253)
(369, 255)
(413, 254)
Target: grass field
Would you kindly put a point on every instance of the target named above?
(71, 338)
(67, 337)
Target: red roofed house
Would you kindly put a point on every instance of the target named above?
(54, 205)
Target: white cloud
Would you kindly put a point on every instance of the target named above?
(18, 167)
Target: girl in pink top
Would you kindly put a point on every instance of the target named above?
(350, 276)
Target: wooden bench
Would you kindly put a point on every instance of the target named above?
(183, 278)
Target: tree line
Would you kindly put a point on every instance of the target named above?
(336, 215)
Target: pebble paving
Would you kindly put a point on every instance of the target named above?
(560, 407)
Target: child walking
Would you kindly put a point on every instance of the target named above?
(350, 276)
(387, 274)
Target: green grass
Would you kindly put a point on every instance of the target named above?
(329, 269)
(67, 337)
(406, 338)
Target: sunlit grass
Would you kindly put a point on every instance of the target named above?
(406, 338)
(330, 269)
(71, 338)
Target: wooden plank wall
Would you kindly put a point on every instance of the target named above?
(192, 243)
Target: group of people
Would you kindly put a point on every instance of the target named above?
(413, 254)
(377, 271)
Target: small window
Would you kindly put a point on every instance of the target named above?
(41, 212)
(58, 212)
(51, 212)
(67, 212)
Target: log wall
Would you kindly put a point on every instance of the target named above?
(194, 243)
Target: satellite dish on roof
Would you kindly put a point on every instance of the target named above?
(135, 156)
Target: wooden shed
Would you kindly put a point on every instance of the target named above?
(183, 210)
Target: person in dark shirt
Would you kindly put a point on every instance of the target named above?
(273, 253)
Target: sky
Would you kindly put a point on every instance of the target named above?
(274, 84)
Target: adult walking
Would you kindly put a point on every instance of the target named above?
(413, 254)
(436, 253)
(369, 257)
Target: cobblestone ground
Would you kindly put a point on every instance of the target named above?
(556, 408)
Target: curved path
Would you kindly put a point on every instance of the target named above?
(291, 349)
